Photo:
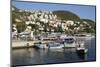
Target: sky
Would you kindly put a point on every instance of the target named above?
(83, 11)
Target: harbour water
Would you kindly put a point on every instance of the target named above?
(44, 56)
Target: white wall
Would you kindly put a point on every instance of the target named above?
(5, 33)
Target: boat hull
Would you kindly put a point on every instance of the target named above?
(81, 50)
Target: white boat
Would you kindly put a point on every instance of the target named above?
(55, 46)
(80, 48)
(49, 46)
(70, 45)
(69, 42)
(40, 45)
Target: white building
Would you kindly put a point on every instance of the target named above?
(70, 22)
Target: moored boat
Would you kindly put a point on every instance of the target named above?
(49, 45)
(55, 46)
(40, 45)
(69, 42)
(80, 48)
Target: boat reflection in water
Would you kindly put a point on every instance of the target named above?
(57, 44)
(45, 56)
(51, 56)
(82, 55)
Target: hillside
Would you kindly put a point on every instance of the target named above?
(56, 21)
(66, 15)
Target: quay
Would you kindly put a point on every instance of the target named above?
(24, 40)
(17, 44)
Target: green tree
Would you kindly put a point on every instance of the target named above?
(21, 26)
